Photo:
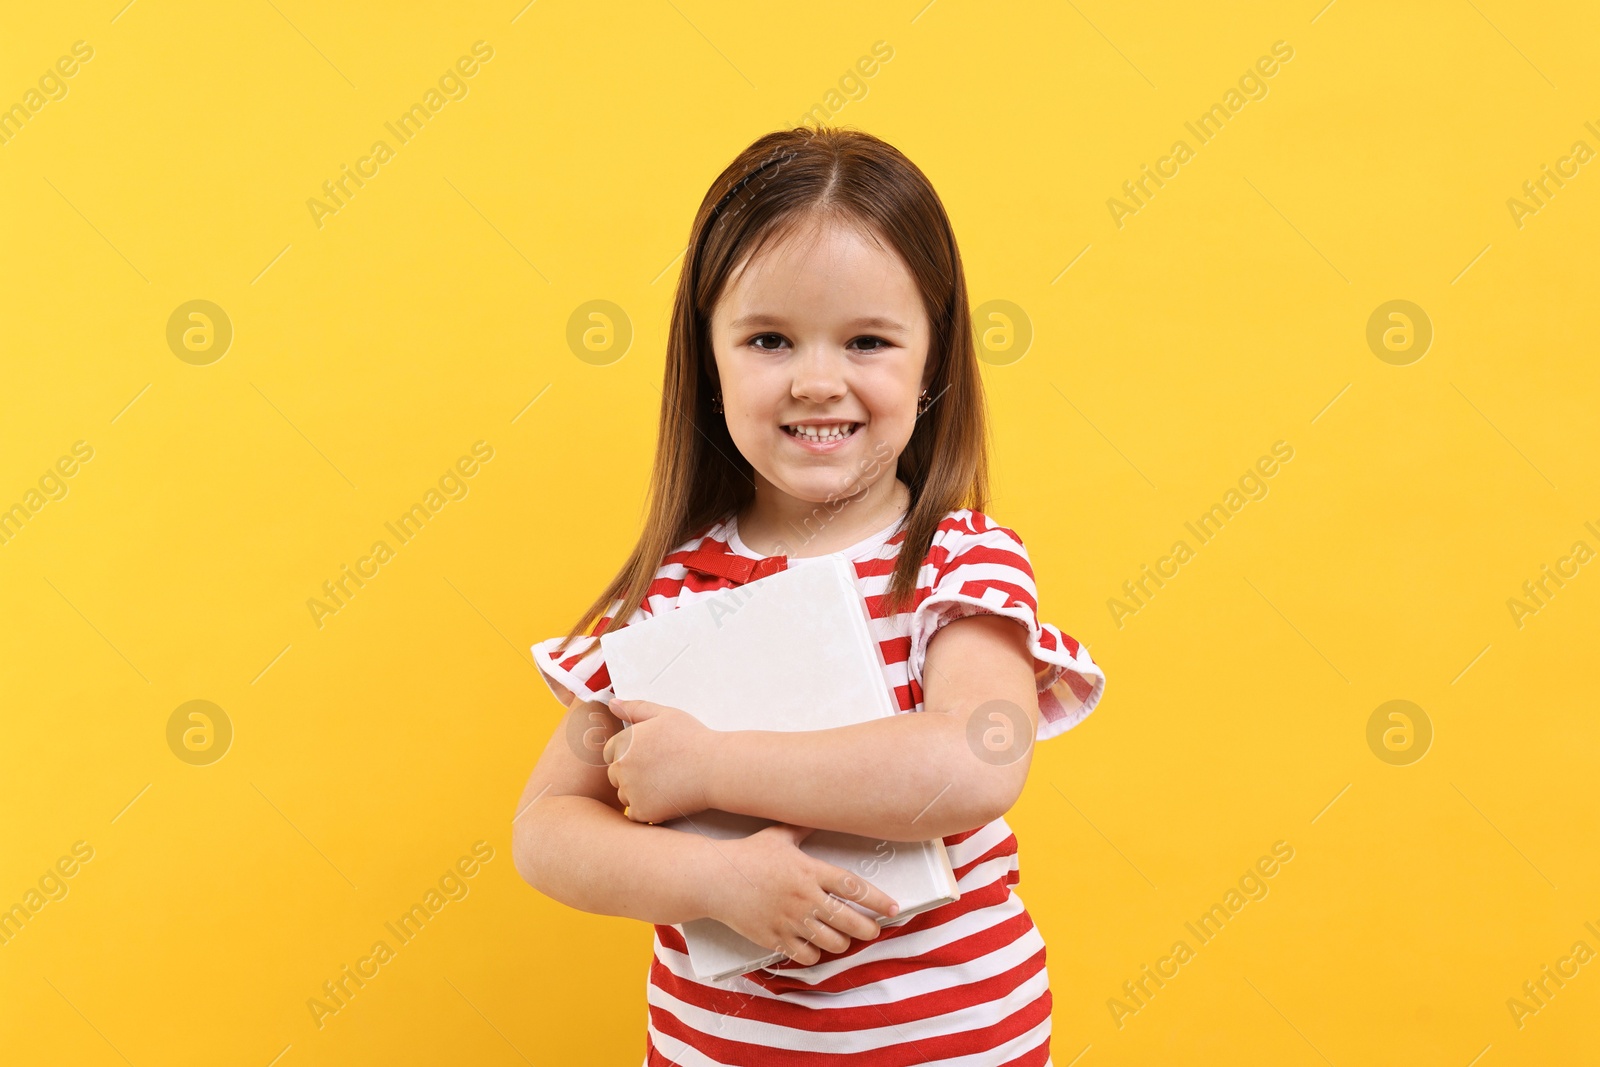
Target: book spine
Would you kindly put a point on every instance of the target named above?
(844, 570)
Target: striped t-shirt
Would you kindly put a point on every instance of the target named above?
(960, 985)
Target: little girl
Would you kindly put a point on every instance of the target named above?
(821, 396)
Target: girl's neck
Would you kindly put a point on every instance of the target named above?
(775, 523)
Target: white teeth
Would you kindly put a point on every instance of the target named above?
(831, 433)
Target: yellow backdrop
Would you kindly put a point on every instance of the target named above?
(276, 272)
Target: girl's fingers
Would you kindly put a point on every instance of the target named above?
(801, 951)
(616, 746)
(849, 922)
(821, 926)
(842, 883)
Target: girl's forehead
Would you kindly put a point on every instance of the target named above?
(840, 259)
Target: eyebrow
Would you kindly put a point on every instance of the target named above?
(870, 322)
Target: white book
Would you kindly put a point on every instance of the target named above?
(791, 651)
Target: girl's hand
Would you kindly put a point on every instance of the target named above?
(660, 763)
(778, 897)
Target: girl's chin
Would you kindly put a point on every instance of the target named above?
(821, 487)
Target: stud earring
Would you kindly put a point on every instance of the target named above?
(922, 403)
(716, 403)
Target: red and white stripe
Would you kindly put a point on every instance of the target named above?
(963, 985)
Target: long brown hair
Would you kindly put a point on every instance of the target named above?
(699, 476)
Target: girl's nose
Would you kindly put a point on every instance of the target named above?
(818, 374)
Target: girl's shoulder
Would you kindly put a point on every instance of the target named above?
(714, 532)
(683, 568)
(967, 523)
(964, 531)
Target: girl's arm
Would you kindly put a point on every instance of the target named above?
(907, 777)
(570, 840)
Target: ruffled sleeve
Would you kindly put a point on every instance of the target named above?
(986, 571)
(581, 668)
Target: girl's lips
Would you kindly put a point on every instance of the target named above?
(823, 447)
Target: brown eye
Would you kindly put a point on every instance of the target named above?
(755, 341)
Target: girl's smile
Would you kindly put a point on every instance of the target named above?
(821, 436)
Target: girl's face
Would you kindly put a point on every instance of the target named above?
(825, 329)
